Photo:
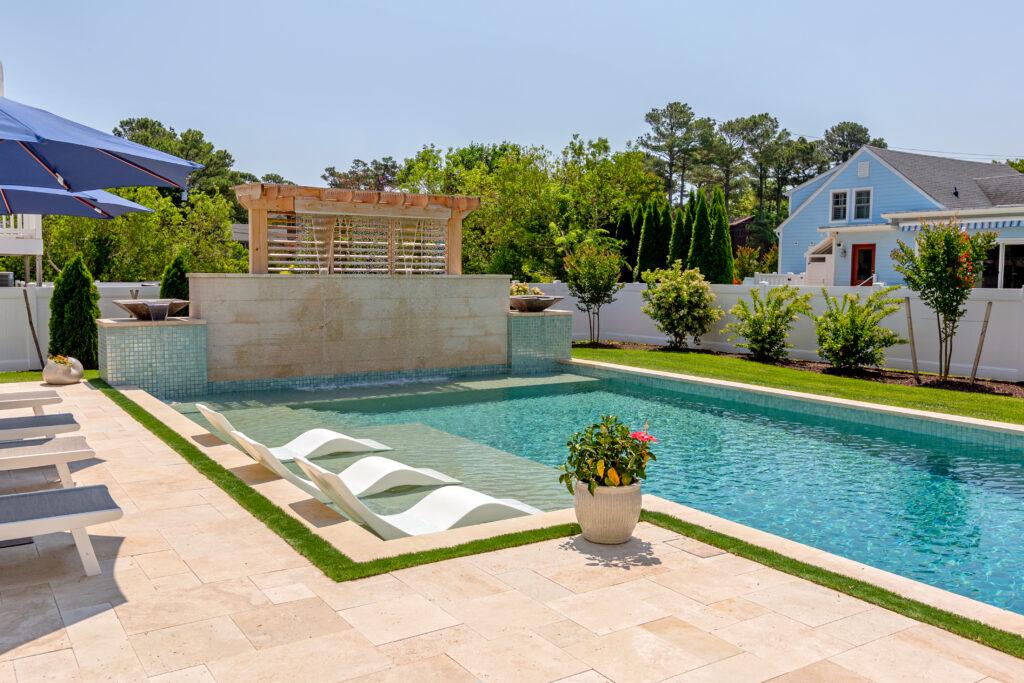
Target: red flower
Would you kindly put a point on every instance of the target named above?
(643, 436)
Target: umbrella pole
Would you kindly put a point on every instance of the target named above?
(31, 325)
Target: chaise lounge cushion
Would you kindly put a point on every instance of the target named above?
(80, 501)
(36, 425)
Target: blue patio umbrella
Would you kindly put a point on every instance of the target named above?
(40, 149)
(48, 201)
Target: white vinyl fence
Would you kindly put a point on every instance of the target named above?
(17, 351)
(1002, 357)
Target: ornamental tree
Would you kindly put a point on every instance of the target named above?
(679, 242)
(942, 270)
(718, 260)
(74, 308)
(592, 276)
(174, 281)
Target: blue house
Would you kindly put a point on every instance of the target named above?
(844, 223)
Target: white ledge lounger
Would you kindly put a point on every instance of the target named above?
(35, 426)
(29, 399)
(310, 444)
(56, 510)
(446, 508)
(56, 451)
(365, 477)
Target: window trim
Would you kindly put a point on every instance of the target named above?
(871, 204)
(1002, 243)
(831, 206)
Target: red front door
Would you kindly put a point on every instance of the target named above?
(863, 264)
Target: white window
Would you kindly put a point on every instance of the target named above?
(839, 200)
(861, 205)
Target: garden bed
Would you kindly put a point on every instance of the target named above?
(884, 376)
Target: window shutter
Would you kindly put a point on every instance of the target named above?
(862, 169)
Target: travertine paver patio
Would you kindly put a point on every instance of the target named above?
(195, 589)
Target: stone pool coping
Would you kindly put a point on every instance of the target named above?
(945, 418)
(362, 546)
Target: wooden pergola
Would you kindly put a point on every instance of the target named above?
(334, 231)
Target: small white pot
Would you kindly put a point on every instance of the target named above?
(55, 373)
(610, 514)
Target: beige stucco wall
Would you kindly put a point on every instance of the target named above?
(262, 326)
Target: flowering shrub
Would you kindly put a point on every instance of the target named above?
(61, 360)
(523, 289)
(850, 333)
(680, 302)
(607, 454)
(765, 325)
(943, 270)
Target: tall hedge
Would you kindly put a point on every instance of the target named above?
(74, 308)
(632, 245)
(700, 237)
(663, 238)
(624, 233)
(647, 252)
(719, 254)
(679, 242)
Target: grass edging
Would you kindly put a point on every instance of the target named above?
(995, 638)
(339, 567)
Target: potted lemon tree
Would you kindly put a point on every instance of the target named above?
(603, 472)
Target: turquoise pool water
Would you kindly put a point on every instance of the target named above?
(943, 512)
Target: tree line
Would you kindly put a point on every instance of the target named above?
(537, 205)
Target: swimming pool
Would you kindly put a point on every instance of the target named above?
(946, 512)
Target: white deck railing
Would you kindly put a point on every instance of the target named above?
(21, 226)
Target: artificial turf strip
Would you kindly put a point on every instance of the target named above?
(339, 567)
(331, 561)
(36, 376)
(970, 404)
(1005, 641)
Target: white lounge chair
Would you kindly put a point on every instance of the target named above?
(29, 399)
(56, 451)
(446, 508)
(364, 477)
(35, 426)
(309, 444)
(56, 510)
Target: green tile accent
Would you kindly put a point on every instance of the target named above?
(168, 361)
(537, 341)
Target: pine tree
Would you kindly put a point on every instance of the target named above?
(719, 255)
(679, 242)
(700, 236)
(174, 281)
(74, 308)
(647, 252)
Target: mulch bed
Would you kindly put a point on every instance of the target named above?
(981, 386)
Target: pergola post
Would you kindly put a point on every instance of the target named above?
(258, 240)
(453, 244)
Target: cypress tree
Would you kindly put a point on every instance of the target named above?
(174, 281)
(624, 233)
(647, 252)
(74, 308)
(664, 236)
(700, 236)
(679, 242)
(719, 255)
(632, 246)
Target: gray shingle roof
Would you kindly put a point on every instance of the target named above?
(980, 184)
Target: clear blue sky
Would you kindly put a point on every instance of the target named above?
(295, 86)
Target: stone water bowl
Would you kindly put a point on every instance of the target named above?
(532, 303)
(152, 309)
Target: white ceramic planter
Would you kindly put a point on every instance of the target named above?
(610, 514)
(55, 373)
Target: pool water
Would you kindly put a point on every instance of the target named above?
(942, 512)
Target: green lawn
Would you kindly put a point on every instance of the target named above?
(984, 406)
(36, 376)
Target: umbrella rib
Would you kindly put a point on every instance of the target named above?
(139, 168)
(93, 206)
(7, 204)
(42, 163)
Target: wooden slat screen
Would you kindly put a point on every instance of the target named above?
(354, 244)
